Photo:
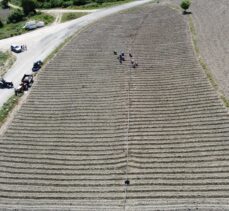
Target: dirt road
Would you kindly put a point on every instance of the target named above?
(42, 42)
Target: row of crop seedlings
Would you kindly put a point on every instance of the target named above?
(178, 128)
(68, 141)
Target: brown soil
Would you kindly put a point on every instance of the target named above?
(90, 123)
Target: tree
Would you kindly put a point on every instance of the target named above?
(28, 6)
(5, 4)
(99, 1)
(185, 4)
(1, 23)
(15, 16)
(79, 2)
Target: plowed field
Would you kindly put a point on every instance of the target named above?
(211, 19)
(211, 23)
(90, 123)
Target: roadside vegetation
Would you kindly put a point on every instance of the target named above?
(13, 21)
(185, 4)
(78, 4)
(72, 15)
(6, 61)
(100, 4)
(7, 107)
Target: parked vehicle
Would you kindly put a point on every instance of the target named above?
(40, 24)
(30, 25)
(16, 48)
(21, 88)
(5, 84)
(37, 66)
(27, 79)
(33, 25)
(26, 82)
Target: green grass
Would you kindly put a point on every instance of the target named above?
(7, 107)
(72, 15)
(95, 5)
(194, 35)
(225, 101)
(92, 5)
(42, 17)
(6, 61)
(208, 73)
(3, 57)
(16, 2)
(13, 29)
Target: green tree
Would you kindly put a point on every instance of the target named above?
(1, 23)
(100, 1)
(79, 2)
(5, 4)
(185, 4)
(28, 6)
(15, 16)
(56, 3)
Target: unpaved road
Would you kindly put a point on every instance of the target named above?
(57, 13)
(42, 42)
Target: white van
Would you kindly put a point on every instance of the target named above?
(40, 24)
(30, 25)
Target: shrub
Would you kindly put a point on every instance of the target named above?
(79, 2)
(67, 3)
(99, 1)
(5, 4)
(1, 24)
(29, 6)
(56, 3)
(16, 16)
(185, 4)
(46, 5)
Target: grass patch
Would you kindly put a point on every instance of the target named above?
(7, 107)
(72, 15)
(95, 5)
(3, 58)
(16, 2)
(194, 35)
(208, 73)
(48, 19)
(90, 5)
(225, 101)
(13, 29)
(6, 61)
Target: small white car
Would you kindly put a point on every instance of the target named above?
(16, 48)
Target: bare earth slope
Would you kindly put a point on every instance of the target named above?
(211, 22)
(91, 123)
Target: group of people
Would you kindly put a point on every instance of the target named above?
(24, 48)
(121, 58)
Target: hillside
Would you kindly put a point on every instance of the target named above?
(90, 123)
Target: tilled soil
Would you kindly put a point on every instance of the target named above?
(211, 23)
(91, 123)
(211, 20)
